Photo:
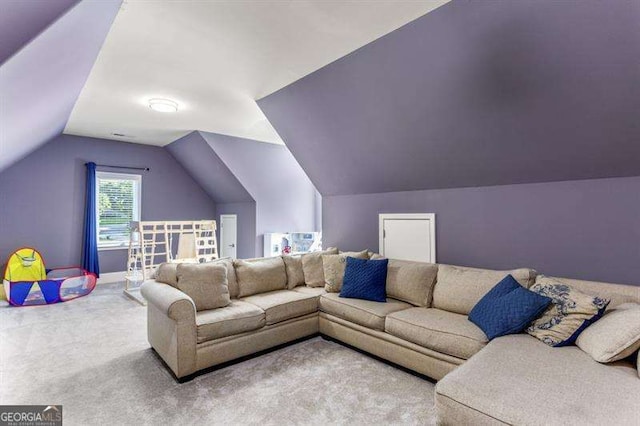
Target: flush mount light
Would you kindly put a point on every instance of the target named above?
(163, 105)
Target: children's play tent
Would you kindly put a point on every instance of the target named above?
(27, 282)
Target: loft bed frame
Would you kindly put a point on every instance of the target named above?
(152, 243)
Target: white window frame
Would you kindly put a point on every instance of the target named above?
(137, 201)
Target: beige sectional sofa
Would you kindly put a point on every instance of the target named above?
(423, 326)
(519, 380)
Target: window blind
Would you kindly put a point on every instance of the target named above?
(118, 205)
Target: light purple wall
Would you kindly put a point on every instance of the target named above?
(21, 21)
(42, 197)
(474, 93)
(40, 84)
(206, 167)
(285, 197)
(587, 229)
(246, 227)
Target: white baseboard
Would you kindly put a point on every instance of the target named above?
(112, 277)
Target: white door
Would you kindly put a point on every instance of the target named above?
(408, 236)
(228, 235)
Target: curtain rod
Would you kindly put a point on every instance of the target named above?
(146, 169)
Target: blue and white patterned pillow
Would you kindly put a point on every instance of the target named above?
(569, 314)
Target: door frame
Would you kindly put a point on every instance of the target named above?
(230, 215)
(431, 217)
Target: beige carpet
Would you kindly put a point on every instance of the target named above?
(91, 355)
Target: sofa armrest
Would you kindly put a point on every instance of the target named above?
(171, 326)
(169, 300)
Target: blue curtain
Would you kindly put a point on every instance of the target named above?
(90, 245)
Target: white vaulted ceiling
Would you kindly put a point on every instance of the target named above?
(215, 58)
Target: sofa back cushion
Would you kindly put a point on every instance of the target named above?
(333, 266)
(295, 275)
(232, 281)
(374, 256)
(411, 282)
(617, 293)
(260, 275)
(312, 267)
(459, 288)
(205, 283)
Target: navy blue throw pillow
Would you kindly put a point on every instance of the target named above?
(507, 308)
(365, 279)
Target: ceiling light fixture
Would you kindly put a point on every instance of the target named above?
(163, 105)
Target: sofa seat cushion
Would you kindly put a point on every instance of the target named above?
(235, 318)
(364, 312)
(282, 305)
(519, 380)
(315, 291)
(446, 332)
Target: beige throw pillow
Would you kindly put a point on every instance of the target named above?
(166, 273)
(295, 275)
(260, 275)
(333, 266)
(312, 267)
(205, 283)
(614, 336)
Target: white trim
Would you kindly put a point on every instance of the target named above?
(431, 217)
(113, 175)
(134, 294)
(113, 248)
(112, 277)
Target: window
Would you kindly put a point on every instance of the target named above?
(118, 198)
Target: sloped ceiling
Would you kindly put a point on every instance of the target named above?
(473, 94)
(207, 168)
(21, 21)
(215, 57)
(41, 82)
